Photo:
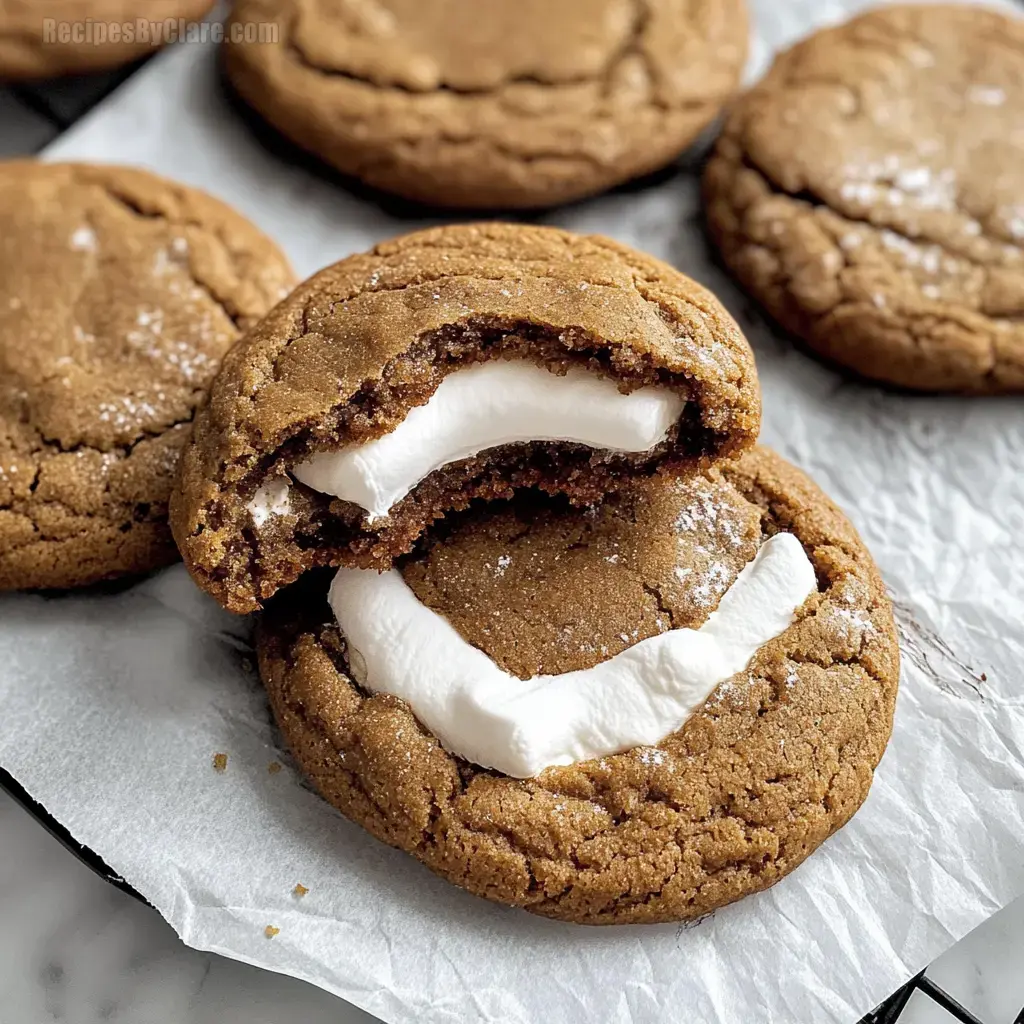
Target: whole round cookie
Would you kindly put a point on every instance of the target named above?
(119, 294)
(770, 765)
(64, 37)
(450, 364)
(504, 104)
(870, 193)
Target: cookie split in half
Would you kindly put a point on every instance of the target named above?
(586, 650)
(869, 191)
(767, 766)
(451, 364)
(67, 37)
(119, 294)
(502, 104)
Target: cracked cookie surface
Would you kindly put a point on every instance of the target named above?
(869, 191)
(777, 759)
(353, 349)
(119, 294)
(26, 50)
(496, 105)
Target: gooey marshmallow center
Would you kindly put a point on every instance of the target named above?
(483, 406)
(398, 645)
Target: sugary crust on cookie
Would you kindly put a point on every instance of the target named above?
(354, 348)
(546, 589)
(869, 193)
(778, 759)
(26, 52)
(119, 294)
(497, 105)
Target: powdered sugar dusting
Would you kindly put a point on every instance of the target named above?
(850, 623)
(986, 95)
(891, 181)
(707, 526)
(715, 583)
(126, 413)
(84, 239)
(650, 755)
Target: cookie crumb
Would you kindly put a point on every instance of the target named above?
(220, 762)
(274, 767)
(299, 890)
(270, 931)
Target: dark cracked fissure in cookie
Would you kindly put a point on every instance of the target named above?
(347, 356)
(778, 758)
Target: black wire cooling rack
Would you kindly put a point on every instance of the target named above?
(38, 114)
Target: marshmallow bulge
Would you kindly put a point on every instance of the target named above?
(520, 727)
(485, 405)
(273, 498)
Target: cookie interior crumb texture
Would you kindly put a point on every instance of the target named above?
(28, 50)
(870, 193)
(508, 103)
(778, 758)
(353, 349)
(119, 294)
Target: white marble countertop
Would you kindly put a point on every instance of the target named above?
(73, 948)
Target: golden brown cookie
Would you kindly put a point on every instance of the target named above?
(870, 193)
(778, 758)
(119, 294)
(503, 104)
(347, 356)
(64, 37)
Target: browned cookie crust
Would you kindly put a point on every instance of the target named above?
(354, 348)
(501, 104)
(778, 759)
(870, 192)
(119, 294)
(27, 52)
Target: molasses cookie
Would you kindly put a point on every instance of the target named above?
(451, 364)
(64, 37)
(870, 193)
(504, 104)
(119, 294)
(615, 822)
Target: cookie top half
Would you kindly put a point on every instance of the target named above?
(870, 192)
(64, 37)
(508, 103)
(766, 768)
(119, 294)
(516, 329)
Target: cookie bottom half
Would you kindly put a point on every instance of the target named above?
(776, 760)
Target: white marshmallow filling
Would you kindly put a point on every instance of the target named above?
(476, 710)
(398, 645)
(483, 406)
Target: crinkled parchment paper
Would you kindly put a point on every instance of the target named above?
(114, 703)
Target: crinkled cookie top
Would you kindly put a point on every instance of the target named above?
(870, 192)
(352, 350)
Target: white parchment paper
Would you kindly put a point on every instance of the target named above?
(114, 703)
